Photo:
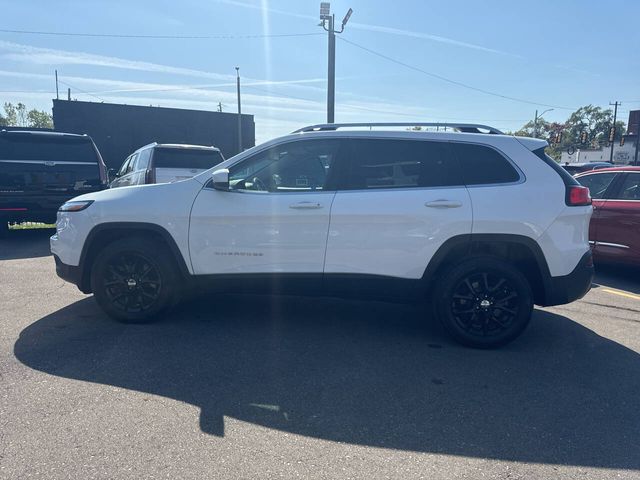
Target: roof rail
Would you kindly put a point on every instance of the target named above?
(461, 127)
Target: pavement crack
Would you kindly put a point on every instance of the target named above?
(634, 310)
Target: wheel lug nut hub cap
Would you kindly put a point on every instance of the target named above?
(485, 303)
(131, 283)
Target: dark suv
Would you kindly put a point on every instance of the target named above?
(39, 171)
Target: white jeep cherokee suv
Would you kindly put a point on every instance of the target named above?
(481, 225)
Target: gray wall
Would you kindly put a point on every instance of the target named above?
(118, 129)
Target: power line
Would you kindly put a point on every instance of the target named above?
(318, 101)
(82, 91)
(456, 119)
(172, 37)
(448, 80)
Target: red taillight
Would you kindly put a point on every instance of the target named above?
(578, 196)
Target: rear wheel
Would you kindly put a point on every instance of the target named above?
(484, 302)
(134, 280)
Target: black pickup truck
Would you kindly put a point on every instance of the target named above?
(40, 170)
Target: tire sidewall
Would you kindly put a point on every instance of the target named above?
(154, 255)
(451, 278)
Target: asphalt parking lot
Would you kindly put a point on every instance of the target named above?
(257, 387)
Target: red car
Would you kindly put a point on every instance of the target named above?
(614, 232)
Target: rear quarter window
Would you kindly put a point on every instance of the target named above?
(567, 178)
(186, 158)
(482, 165)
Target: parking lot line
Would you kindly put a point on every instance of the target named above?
(621, 293)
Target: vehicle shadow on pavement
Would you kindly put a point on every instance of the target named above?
(29, 243)
(364, 373)
(623, 277)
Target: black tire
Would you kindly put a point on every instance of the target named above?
(484, 302)
(134, 280)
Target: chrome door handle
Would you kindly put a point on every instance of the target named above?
(305, 205)
(443, 204)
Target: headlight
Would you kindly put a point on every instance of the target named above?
(75, 206)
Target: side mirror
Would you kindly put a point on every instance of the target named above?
(221, 179)
(112, 173)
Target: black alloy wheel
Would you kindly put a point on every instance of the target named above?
(132, 282)
(135, 279)
(483, 302)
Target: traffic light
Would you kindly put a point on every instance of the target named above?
(583, 137)
(558, 137)
(612, 134)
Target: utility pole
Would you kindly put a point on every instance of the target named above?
(219, 106)
(68, 94)
(57, 96)
(328, 22)
(615, 117)
(239, 111)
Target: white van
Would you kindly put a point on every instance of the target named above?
(165, 163)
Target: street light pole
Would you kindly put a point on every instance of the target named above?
(615, 117)
(535, 121)
(239, 111)
(328, 23)
(331, 72)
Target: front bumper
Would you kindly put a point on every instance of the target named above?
(571, 287)
(68, 272)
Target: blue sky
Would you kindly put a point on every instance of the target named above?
(560, 53)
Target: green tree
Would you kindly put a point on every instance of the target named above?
(18, 116)
(11, 114)
(39, 119)
(593, 120)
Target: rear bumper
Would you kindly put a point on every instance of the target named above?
(571, 287)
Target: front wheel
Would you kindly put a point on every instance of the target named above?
(134, 280)
(484, 302)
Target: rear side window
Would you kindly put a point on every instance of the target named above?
(630, 189)
(598, 183)
(378, 163)
(47, 148)
(186, 158)
(482, 165)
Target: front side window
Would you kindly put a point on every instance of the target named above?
(630, 189)
(300, 166)
(597, 183)
(380, 163)
(131, 163)
(482, 165)
(125, 165)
